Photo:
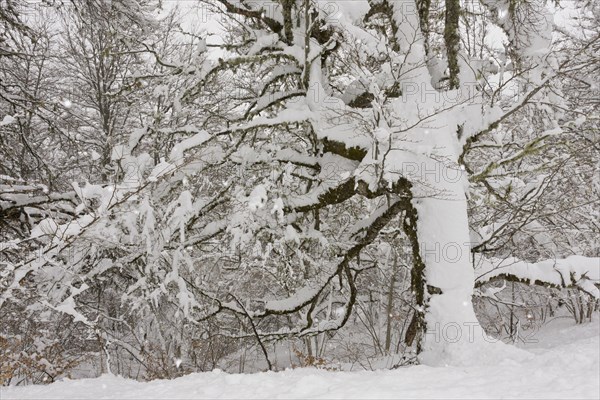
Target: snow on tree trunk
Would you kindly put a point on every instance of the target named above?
(428, 154)
(443, 235)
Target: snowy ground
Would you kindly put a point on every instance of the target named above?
(563, 364)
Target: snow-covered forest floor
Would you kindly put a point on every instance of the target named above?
(563, 363)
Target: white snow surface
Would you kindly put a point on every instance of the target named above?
(562, 362)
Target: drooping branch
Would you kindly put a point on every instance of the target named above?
(310, 293)
(578, 272)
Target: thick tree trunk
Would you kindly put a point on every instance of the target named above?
(445, 326)
(443, 236)
(436, 221)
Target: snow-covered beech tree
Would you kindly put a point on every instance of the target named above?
(366, 89)
(322, 142)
